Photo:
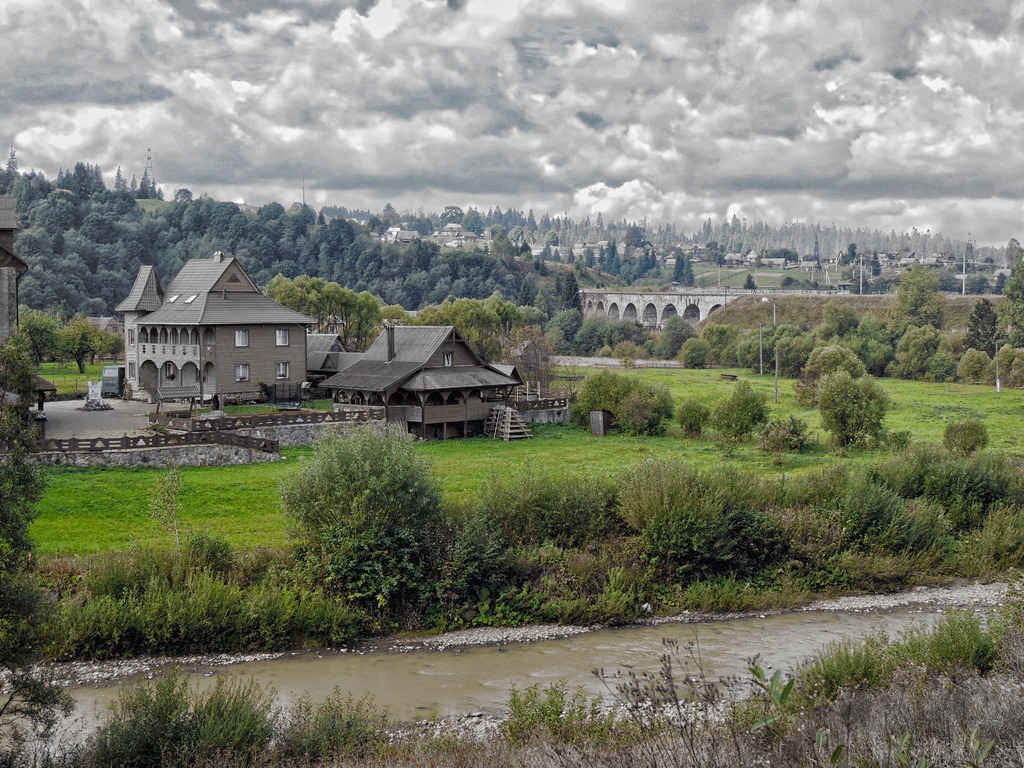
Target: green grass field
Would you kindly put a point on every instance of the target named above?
(67, 379)
(91, 510)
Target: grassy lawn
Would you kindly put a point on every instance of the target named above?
(89, 510)
(67, 379)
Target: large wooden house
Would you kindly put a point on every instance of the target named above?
(11, 268)
(211, 332)
(427, 377)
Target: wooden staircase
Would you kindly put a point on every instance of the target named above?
(504, 422)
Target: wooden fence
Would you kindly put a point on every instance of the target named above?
(252, 421)
(128, 442)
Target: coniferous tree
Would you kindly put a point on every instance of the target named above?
(983, 328)
(571, 293)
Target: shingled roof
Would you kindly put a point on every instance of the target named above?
(215, 291)
(407, 369)
(8, 229)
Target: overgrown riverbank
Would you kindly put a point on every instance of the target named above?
(659, 538)
(947, 696)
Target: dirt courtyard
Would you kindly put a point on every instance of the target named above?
(67, 418)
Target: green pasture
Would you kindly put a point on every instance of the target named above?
(90, 510)
(67, 379)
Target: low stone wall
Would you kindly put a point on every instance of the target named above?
(290, 435)
(178, 456)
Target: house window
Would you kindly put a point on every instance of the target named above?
(282, 338)
(448, 359)
(131, 337)
(242, 372)
(169, 370)
(242, 338)
(131, 371)
(282, 370)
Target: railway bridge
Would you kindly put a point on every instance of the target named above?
(655, 308)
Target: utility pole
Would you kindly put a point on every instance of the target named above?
(760, 345)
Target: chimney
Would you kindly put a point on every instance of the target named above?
(390, 331)
(218, 257)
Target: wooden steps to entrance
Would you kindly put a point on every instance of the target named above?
(504, 422)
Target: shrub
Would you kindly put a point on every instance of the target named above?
(369, 511)
(783, 435)
(338, 727)
(693, 416)
(703, 525)
(823, 361)
(965, 437)
(974, 367)
(851, 408)
(166, 723)
(694, 353)
(915, 351)
(721, 341)
(532, 508)
(365, 479)
(741, 413)
(611, 391)
(573, 719)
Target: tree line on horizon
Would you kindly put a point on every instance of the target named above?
(84, 244)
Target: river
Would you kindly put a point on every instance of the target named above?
(423, 683)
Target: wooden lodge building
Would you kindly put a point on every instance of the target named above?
(212, 332)
(428, 378)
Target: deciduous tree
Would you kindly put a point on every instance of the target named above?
(28, 699)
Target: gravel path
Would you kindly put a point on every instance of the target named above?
(958, 596)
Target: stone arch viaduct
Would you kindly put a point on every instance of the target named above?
(655, 308)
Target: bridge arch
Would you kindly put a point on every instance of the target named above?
(715, 308)
(629, 313)
(613, 312)
(650, 315)
(590, 305)
(600, 306)
(692, 313)
(668, 313)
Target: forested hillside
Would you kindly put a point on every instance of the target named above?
(84, 244)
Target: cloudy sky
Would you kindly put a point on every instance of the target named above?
(880, 113)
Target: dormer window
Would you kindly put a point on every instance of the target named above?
(447, 359)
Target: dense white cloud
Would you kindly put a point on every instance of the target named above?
(866, 113)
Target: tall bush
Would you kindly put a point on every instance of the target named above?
(367, 510)
(741, 413)
(701, 525)
(638, 406)
(850, 408)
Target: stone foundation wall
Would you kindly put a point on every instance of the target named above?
(179, 456)
(290, 435)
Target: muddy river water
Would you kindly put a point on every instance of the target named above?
(422, 683)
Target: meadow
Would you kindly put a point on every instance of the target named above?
(86, 511)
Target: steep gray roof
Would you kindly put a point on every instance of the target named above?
(146, 293)
(8, 213)
(413, 343)
(190, 298)
(229, 308)
(414, 346)
(323, 342)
